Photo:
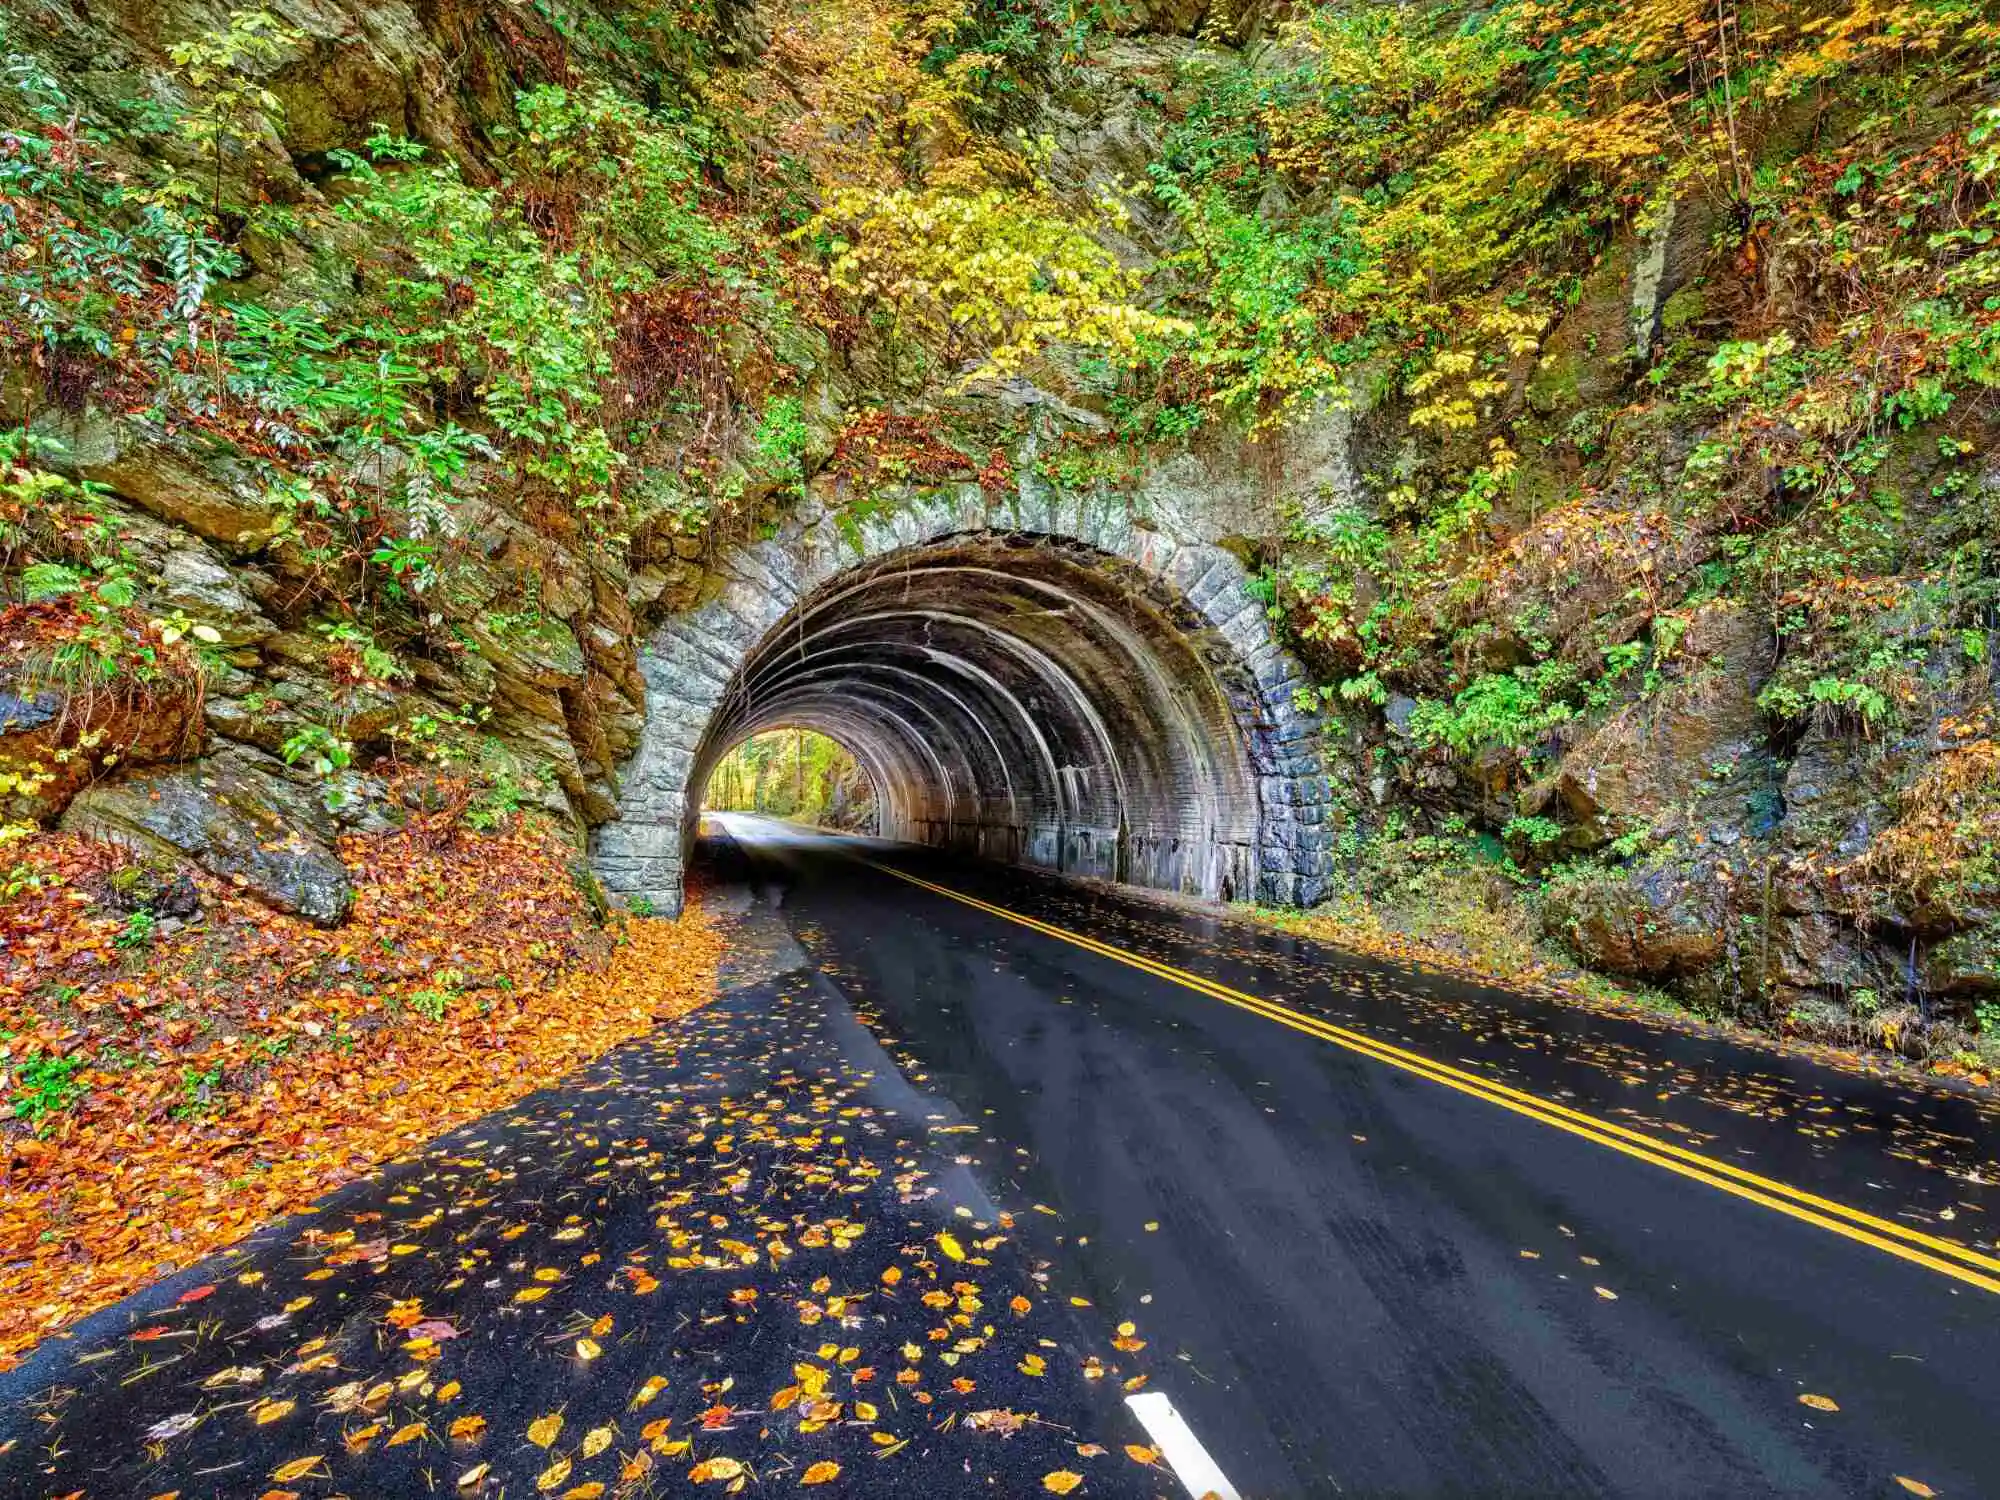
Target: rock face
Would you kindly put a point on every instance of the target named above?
(1655, 924)
(51, 744)
(1686, 758)
(236, 816)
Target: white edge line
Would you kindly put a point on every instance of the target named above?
(1180, 1447)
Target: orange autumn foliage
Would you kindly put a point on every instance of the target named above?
(241, 1068)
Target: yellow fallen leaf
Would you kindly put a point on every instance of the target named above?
(596, 1441)
(823, 1472)
(653, 1386)
(948, 1243)
(270, 1411)
(1916, 1487)
(448, 1391)
(1606, 1293)
(407, 1433)
(542, 1431)
(1818, 1403)
(715, 1468)
(1139, 1453)
(467, 1428)
(473, 1477)
(1061, 1482)
(298, 1468)
(588, 1349)
(588, 1491)
(553, 1475)
(531, 1294)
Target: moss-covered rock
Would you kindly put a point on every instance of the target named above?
(238, 817)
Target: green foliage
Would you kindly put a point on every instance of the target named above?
(229, 110)
(138, 932)
(45, 1086)
(1536, 832)
(319, 749)
(779, 442)
(1496, 710)
(432, 1004)
(200, 1090)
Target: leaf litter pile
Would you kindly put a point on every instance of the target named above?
(172, 1095)
(732, 1256)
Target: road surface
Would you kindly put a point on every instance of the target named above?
(1284, 1221)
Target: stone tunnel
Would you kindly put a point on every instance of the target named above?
(1051, 685)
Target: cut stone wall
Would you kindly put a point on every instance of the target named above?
(1042, 680)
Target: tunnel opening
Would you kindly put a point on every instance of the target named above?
(1019, 699)
(1111, 707)
(795, 773)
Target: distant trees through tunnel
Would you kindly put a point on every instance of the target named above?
(794, 773)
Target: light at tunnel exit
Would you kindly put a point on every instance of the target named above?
(794, 773)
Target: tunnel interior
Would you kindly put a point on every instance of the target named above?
(1023, 699)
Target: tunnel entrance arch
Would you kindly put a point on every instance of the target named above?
(1041, 684)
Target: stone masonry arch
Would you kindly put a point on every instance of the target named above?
(1043, 680)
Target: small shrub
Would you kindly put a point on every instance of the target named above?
(141, 927)
(431, 1004)
(46, 1086)
(198, 1090)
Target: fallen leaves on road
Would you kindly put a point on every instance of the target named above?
(1062, 1481)
(245, 1066)
(1818, 1403)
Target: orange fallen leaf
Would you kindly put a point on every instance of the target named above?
(823, 1472)
(1818, 1403)
(1062, 1481)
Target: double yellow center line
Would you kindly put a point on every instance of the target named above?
(1960, 1262)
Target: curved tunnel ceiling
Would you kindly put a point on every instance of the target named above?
(1023, 699)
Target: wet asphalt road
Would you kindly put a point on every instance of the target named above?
(1350, 1280)
(1364, 1283)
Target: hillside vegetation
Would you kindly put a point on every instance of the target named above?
(376, 374)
